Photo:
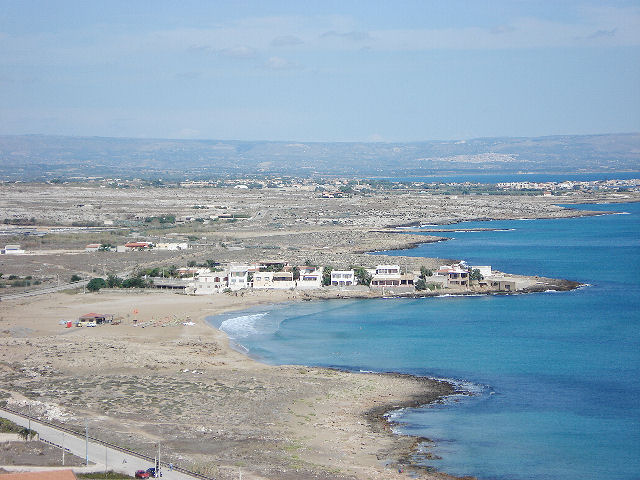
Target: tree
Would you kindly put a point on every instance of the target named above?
(114, 281)
(425, 272)
(326, 275)
(363, 277)
(475, 275)
(192, 263)
(75, 278)
(134, 282)
(96, 284)
(421, 284)
(27, 434)
(296, 273)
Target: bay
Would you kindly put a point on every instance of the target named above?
(555, 376)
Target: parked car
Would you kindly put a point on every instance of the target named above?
(141, 474)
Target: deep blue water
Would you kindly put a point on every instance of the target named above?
(556, 375)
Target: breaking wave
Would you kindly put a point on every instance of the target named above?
(247, 325)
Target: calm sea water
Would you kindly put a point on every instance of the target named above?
(555, 376)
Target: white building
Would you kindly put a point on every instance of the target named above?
(457, 276)
(386, 276)
(172, 246)
(207, 283)
(12, 250)
(310, 277)
(263, 280)
(391, 276)
(343, 278)
(238, 277)
(283, 280)
(485, 270)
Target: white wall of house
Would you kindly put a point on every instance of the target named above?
(238, 277)
(172, 246)
(386, 276)
(12, 250)
(485, 270)
(283, 280)
(208, 283)
(388, 270)
(310, 277)
(343, 278)
(263, 280)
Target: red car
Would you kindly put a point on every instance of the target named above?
(142, 474)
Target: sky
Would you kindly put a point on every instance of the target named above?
(390, 71)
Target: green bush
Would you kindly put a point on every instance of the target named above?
(7, 426)
(135, 282)
(96, 284)
(114, 281)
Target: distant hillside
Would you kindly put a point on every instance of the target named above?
(41, 156)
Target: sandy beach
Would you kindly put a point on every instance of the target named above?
(213, 409)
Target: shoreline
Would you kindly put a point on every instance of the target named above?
(575, 213)
(362, 400)
(296, 426)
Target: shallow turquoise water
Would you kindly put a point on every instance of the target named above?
(556, 375)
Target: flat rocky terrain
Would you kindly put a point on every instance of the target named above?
(271, 224)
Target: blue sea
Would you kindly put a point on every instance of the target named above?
(555, 376)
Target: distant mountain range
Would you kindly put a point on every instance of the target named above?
(33, 157)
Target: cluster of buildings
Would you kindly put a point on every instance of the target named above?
(272, 275)
(549, 187)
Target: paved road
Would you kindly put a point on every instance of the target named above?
(44, 291)
(57, 288)
(100, 454)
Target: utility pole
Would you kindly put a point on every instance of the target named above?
(63, 449)
(105, 460)
(29, 405)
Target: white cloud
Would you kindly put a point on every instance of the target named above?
(256, 38)
(279, 63)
